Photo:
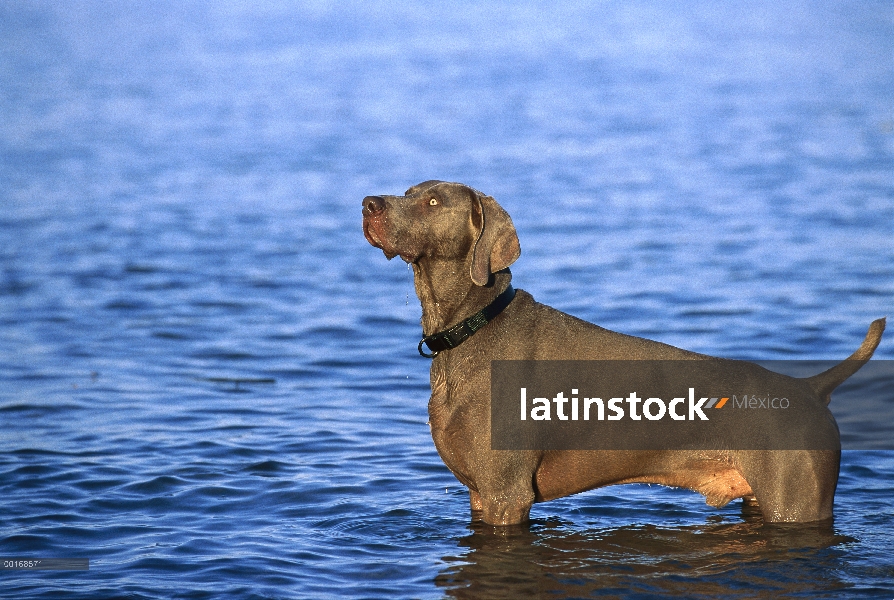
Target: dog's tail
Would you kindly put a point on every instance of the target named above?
(825, 382)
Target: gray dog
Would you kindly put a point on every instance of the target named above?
(461, 243)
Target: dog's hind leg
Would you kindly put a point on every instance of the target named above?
(792, 486)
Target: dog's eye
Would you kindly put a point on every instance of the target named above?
(432, 202)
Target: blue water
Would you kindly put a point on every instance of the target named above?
(208, 379)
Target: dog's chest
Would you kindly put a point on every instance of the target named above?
(452, 424)
(443, 409)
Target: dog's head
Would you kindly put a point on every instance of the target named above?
(444, 221)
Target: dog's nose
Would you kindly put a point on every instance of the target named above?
(373, 205)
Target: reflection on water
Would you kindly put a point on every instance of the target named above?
(718, 559)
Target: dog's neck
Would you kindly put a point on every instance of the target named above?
(448, 296)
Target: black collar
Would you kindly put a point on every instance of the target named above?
(456, 335)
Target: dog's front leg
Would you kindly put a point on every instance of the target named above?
(506, 507)
(506, 489)
(475, 503)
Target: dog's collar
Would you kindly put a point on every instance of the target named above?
(456, 335)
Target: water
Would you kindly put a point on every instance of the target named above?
(210, 386)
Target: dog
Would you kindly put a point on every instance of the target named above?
(461, 244)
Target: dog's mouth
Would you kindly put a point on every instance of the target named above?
(375, 239)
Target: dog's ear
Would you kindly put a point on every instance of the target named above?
(497, 246)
